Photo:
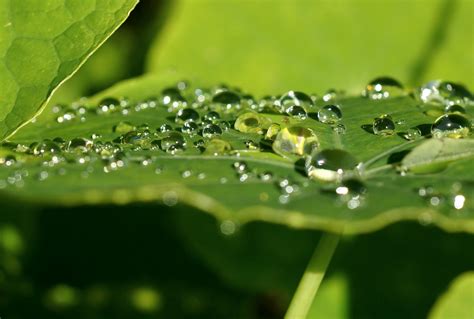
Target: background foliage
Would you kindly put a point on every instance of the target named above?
(147, 260)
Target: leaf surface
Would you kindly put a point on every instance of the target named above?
(212, 184)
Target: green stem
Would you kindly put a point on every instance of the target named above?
(314, 274)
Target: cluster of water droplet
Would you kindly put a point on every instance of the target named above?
(200, 120)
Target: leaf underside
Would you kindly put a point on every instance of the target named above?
(42, 43)
(214, 187)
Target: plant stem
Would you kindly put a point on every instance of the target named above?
(312, 277)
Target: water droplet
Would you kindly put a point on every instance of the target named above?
(187, 115)
(217, 147)
(454, 108)
(189, 128)
(329, 165)
(294, 98)
(46, 147)
(451, 125)
(250, 122)
(211, 117)
(173, 143)
(81, 145)
(266, 176)
(382, 88)
(186, 174)
(383, 125)
(211, 130)
(446, 93)
(228, 227)
(226, 101)
(458, 201)
(251, 145)
(339, 129)
(67, 116)
(8, 160)
(295, 140)
(272, 131)
(172, 98)
(108, 105)
(329, 114)
(332, 95)
(297, 112)
(123, 127)
(137, 139)
(412, 134)
(165, 128)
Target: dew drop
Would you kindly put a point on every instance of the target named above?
(295, 140)
(384, 125)
(297, 112)
(226, 101)
(329, 165)
(412, 134)
(251, 145)
(272, 131)
(173, 143)
(211, 117)
(189, 128)
(382, 88)
(217, 147)
(339, 129)
(211, 130)
(46, 147)
(329, 114)
(455, 108)
(294, 98)
(108, 105)
(451, 125)
(172, 98)
(250, 122)
(187, 115)
(81, 145)
(164, 128)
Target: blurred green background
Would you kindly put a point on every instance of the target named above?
(150, 261)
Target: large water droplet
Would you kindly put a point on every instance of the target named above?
(217, 147)
(172, 98)
(295, 140)
(80, 145)
(382, 88)
(451, 125)
(227, 101)
(329, 165)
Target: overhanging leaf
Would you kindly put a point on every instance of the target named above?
(212, 183)
(42, 43)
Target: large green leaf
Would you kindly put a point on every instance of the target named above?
(42, 43)
(271, 46)
(211, 183)
(457, 301)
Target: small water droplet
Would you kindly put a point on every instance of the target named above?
(297, 112)
(329, 114)
(455, 108)
(217, 147)
(211, 117)
(172, 98)
(211, 130)
(451, 125)
(294, 98)
(383, 125)
(189, 128)
(226, 101)
(339, 129)
(46, 147)
(173, 143)
(165, 128)
(228, 227)
(272, 131)
(108, 105)
(382, 88)
(412, 134)
(187, 115)
(251, 145)
(80, 145)
(186, 174)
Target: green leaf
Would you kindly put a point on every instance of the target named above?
(457, 301)
(42, 43)
(311, 46)
(212, 184)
